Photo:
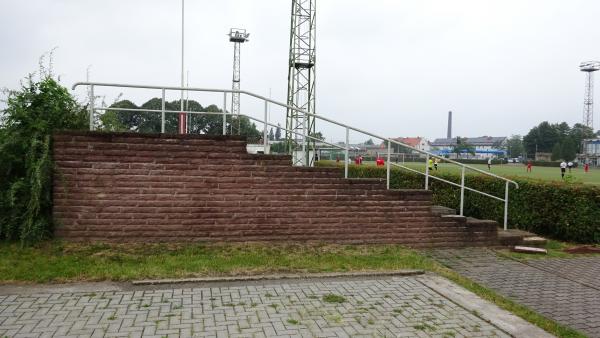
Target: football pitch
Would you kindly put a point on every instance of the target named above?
(515, 170)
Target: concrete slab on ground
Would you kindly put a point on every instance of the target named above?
(411, 306)
(565, 290)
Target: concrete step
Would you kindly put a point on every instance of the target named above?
(442, 210)
(534, 241)
(529, 250)
(516, 237)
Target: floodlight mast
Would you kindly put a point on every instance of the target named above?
(237, 36)
(301, 82)
(589, 67)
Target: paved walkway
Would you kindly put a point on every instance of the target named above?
(381, 307)
(566, 290)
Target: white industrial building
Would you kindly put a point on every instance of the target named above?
(485, 147)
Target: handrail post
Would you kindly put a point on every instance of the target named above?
(162, 116)
(346, 158)
(224, 114)
(427, 172)
(266, 141)
(92, 126)
(506, 207)
(462, 191)
(388, 163)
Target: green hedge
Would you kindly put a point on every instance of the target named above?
(477, 161)
(569, 212)
(555, 164)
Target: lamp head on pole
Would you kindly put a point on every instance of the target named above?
(238, 35)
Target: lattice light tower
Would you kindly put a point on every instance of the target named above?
(301, 81)
(237, 36)
(589, 67)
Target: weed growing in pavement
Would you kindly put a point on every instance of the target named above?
(333, 298)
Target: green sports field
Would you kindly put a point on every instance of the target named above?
(517, 170)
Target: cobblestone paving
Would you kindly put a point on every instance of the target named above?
(566, 290)
(385, 307)
(585, 270)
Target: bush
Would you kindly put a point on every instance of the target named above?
(569, 212)
(555, 164)
(26, 125)
(479, 161)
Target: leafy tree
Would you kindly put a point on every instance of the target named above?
(278, 133)
(40, 107)
(271, 135)
(556, 152)
(247, 129)
(279, 148)
(551, 137)
(568, 149)
(514, 146)
(542, 138)
(150, 122)
(562, 129)
(462, 147)
(113, 120)
(209, 124)
(369, 142)
(318, 135)
(580, 132)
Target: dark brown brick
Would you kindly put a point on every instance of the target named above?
(124, 187)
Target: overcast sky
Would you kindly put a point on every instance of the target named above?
(392, 67)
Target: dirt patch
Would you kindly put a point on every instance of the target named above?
(584, 249)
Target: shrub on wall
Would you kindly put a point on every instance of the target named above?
(26, 124)
(569, 212)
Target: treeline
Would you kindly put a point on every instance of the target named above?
(150, 122)
(562, 141)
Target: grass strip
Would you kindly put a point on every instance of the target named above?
(56, 261)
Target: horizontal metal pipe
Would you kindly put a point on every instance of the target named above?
(217, 113)
(483, 193)
(449, 182)
(430, 176)
(297, 133)
(213, 90)
(160, 111)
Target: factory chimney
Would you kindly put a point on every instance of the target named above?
(449, 124)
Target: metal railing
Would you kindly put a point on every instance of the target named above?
(266, 123)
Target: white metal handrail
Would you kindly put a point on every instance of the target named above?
(141, 110)
(266, 101)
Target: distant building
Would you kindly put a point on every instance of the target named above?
(257, 148)
(419, 143)
(546, 157)
(485, 147)
(590, 152)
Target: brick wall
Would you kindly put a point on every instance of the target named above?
(123, 187)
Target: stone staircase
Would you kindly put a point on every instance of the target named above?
(123, 187)
(510, 237)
